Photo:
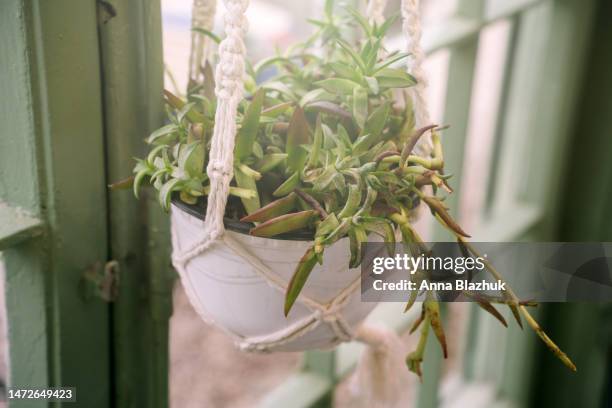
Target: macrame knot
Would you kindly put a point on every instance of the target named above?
(236, 24)
(231, 47)
(235, 20)
(231, 51)
(217, 170)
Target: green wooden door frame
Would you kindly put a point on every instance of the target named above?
(52, 167)
(132, 84)
(81, 89)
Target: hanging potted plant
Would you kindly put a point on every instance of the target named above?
(303, 168)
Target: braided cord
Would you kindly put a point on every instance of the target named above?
(229, 84)
(375, 11)
(412, 31)
(202, 16)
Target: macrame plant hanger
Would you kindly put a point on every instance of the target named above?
(379, 377)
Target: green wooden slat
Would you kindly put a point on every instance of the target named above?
(515, 134)
(461, 68)
(132, 67)
(67, 69)
(455, 30)
(498, 228)
(500, 9)
(323, 365)
(24, 264)
(16, 226)
(460, 28)
(509, 85)
(53, 167)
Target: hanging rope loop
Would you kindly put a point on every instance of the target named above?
(232, 51)
(413, 31)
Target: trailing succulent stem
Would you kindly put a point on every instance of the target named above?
(327, 145)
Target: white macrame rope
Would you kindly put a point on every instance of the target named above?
(412, 30)
(376, 10)
(202, 16)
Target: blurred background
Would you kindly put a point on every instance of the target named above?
(524, 85)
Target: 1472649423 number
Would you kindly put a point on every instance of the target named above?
(65, 394)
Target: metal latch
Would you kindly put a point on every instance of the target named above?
(101, 281)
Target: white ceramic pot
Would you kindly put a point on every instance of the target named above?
(228, 290)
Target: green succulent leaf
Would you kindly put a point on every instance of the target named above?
(208, 34)
(339, 86)
(298, 134)
(372, 130)
(285, 223)
(276, 110)
(276, 60)
(372, 85)
(250, 124)
(166, 190)
(313, 158)
(352, 202)
(281, 88)
(270, 161)
(340, 232)
(330, 108)
(360, 19)
(300, 276)
(355, 57)
(274, 209)
(394, 78)
(327, 226)
(357, 236)
(360, 105)
(288, 185)
(390, 61)
(326, 178)
(345, 71)
(138, 180)
(164, 135)
(209, 85)
(380, 31)
(247, 181)
(190, 112)
(191, 159)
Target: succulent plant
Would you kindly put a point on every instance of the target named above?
(327, 146)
